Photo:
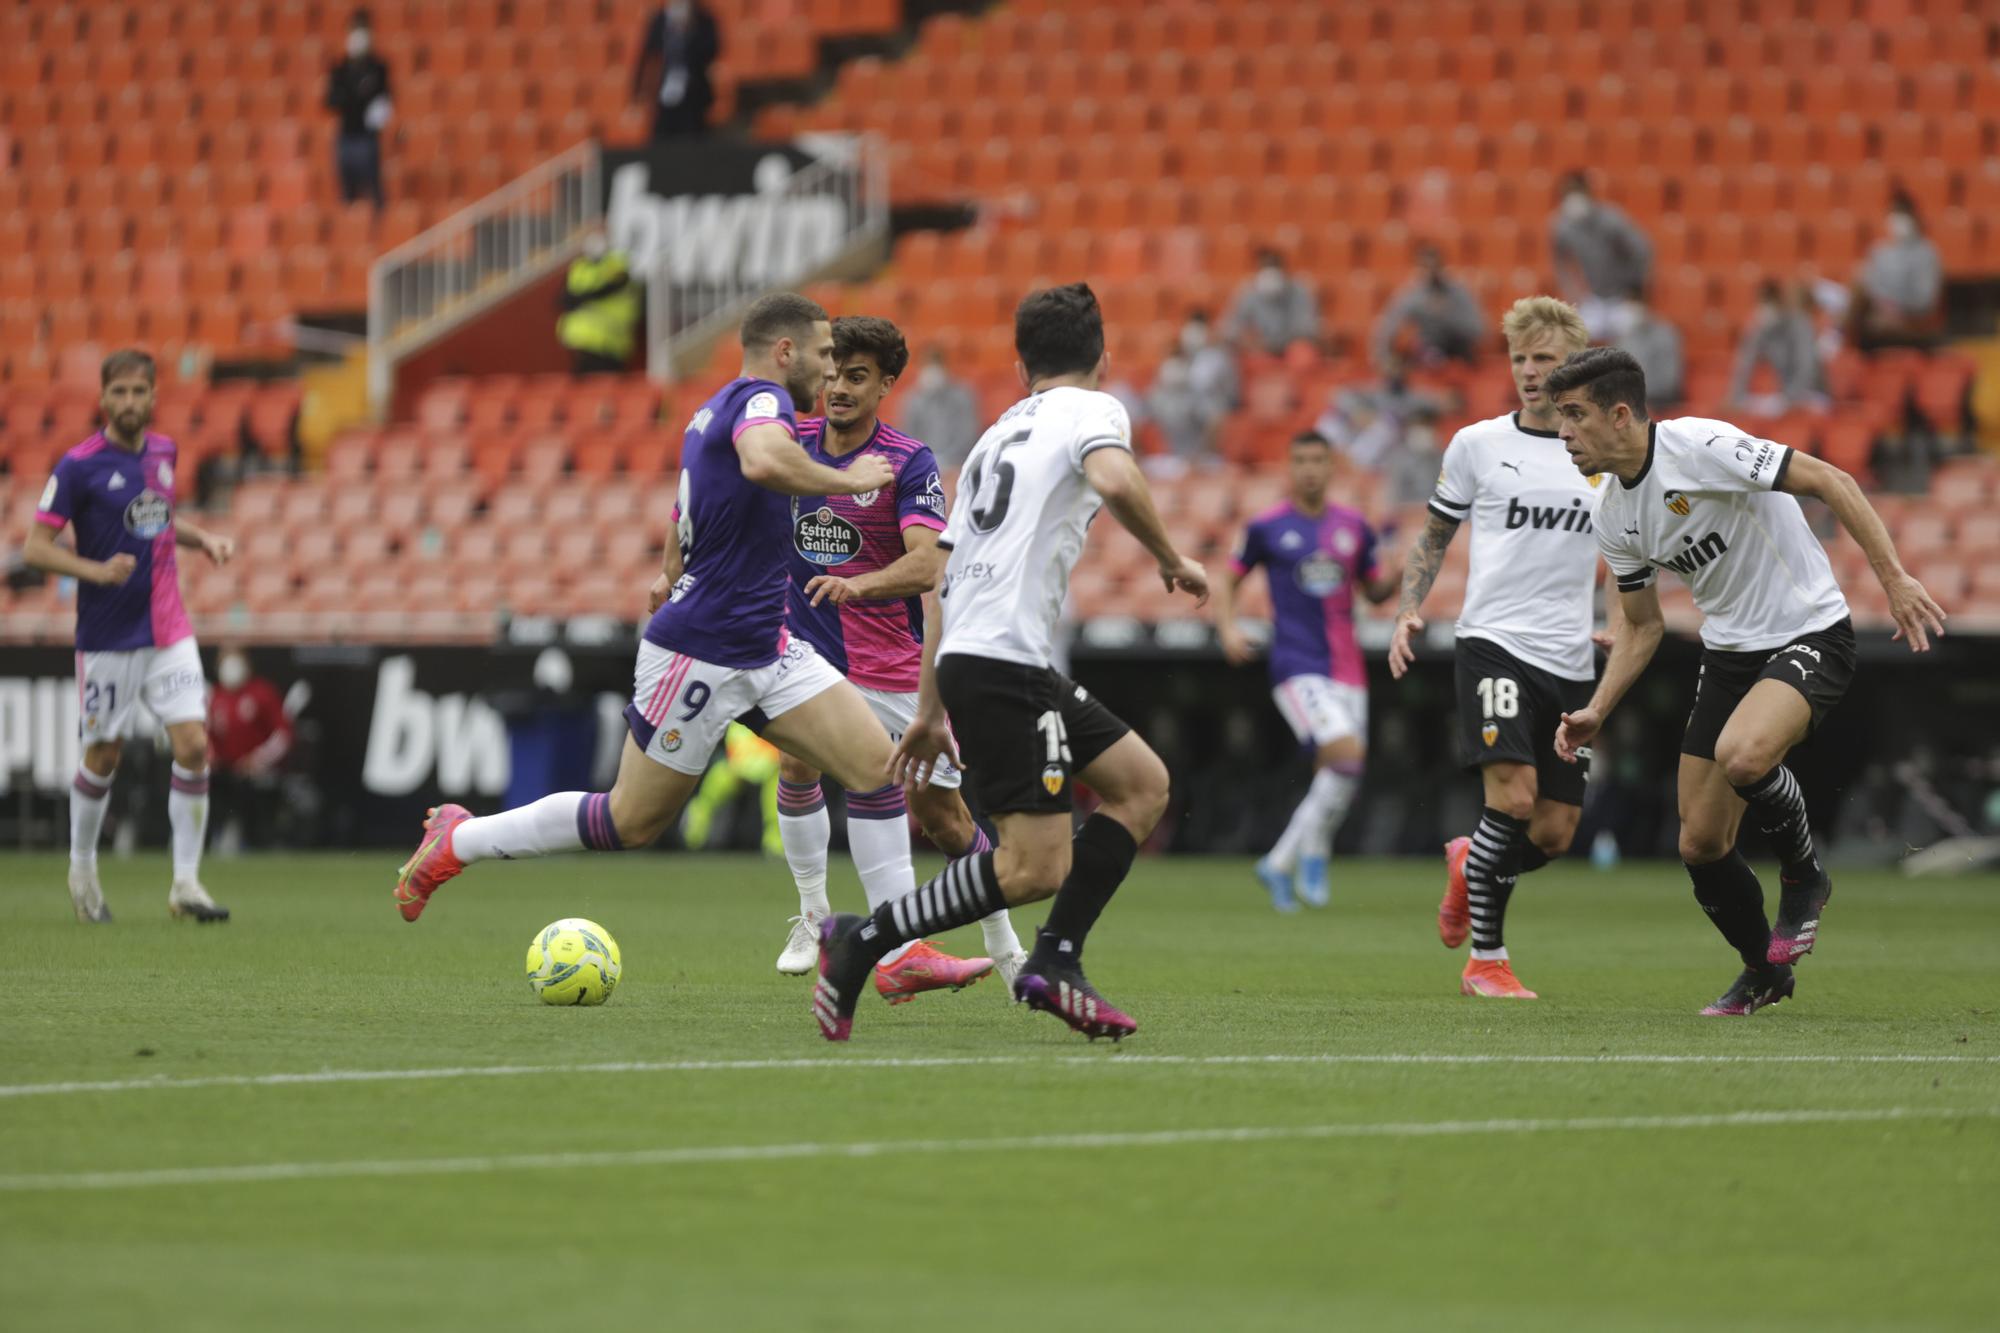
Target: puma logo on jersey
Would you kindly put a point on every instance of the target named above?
(1514, 467)
(1631, 532)
(1710, 549)
(1805, 672)
(1574, 518)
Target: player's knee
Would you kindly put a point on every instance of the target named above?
(1029, 879)
(1743, 764)
(796, 771)
(102, 758)
(1553, 842)
(191, 751)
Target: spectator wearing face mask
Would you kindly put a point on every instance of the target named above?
(940, 411)
(1602, 259)
(1656, 346)
(1898, 300)
(1273, 309)
(1781, 334)
(1211, 369)
(682, 41)
(249, 737)
(1186, 423)
(601, 308)
(357, 91)
(1440, 313)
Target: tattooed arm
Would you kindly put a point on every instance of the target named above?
(1420, 571)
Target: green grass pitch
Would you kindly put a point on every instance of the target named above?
(1606, 1160)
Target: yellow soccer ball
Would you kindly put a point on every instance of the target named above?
(573, 961)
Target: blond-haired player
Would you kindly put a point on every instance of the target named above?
(1524, 649)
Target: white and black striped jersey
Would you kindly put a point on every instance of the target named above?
(1533, 564)
(1017, 528)
(1706, 506)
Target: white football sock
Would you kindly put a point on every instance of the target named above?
(89, 795)
(546, 827)
(1001, 941)
(807, 832)
(1332, 791)
(187, 815)
(881, 852)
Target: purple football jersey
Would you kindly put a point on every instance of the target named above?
(729, 607)
(877, 644)
(118, 500)
(1313, 565)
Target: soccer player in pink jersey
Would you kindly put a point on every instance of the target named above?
(862, 566)
(134, 644)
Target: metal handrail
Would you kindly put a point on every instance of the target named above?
(478, 256)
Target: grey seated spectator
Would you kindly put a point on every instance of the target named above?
(1439, 311)
(1410, 472)
(1211, 367)
(940, 411)
(1367, 426)
(1781, 334)
(1187, 423)
(1898, 300)
(1656, 346)
(1602, 259)
(1273, 309)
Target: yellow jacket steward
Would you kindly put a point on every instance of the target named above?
(602, 306)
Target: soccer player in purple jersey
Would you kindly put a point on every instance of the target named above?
(862, 567)
(716, 649)
(1315, 555)
(134, 644)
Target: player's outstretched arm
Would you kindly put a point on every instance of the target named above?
(1638, 639)
(1917, 617)
(42, 551)
(929, 733)
(912, 574)
(1235, 644)
(214, 545)
(771, 458)
(1114, 474)
(1420, 571)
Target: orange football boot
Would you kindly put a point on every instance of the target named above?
(434, 862)
(1493, 979)
(924, 967)
(1454, 915)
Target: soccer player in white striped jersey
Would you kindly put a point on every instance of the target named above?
(1523, 651)
(1714, 504)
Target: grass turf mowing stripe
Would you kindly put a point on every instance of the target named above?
(309, 1077)
(254, 1173)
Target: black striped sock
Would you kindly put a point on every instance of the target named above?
(1781, 813)
(966, 891)
(1533, 858)
(1491, 867)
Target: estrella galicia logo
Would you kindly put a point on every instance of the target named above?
(148, 515)
(824, 537)
(1320, 575)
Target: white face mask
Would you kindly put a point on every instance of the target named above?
(357, 42)
(1902, 226)
(1270, 281)
(1575, 205)
(1193, 338)
(931, 377)
(232, 671)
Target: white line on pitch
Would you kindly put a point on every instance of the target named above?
(1105, 1061)
(251, 1173)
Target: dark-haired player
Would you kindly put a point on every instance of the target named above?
(862, 566)
(1315, 556)
(1703, 498)
(1026, 495)
(134, 643)
(716, 649)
